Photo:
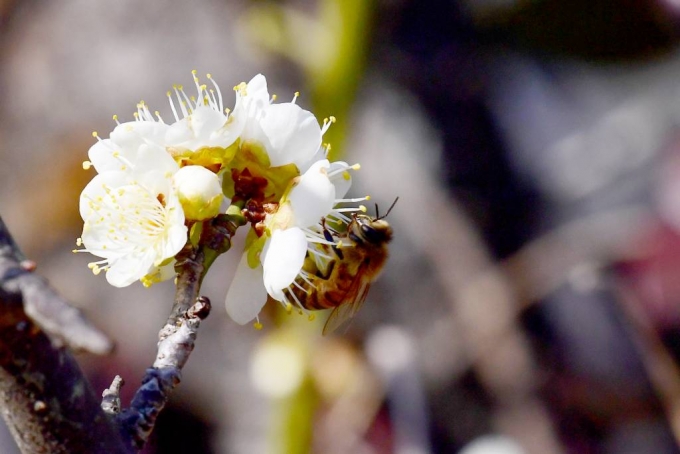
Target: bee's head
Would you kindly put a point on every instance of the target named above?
(365, 229)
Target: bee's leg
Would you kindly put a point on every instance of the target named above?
(329, 237)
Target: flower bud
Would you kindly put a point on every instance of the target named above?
(200, 192)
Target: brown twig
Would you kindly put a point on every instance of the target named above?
(174, 347)
(176, 338)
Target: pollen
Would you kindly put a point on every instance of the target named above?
(311, 317)
(257, 325)
(87, 165)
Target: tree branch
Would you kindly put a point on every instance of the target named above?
(175, 345)
(46, 401)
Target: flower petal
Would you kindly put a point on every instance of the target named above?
(342, 181)
(246, 296)
(313, 197)
(283, 257)
(294, 134)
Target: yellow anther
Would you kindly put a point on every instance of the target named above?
(115, 117)
(346, 175)
(257, 325)
(332, 118)
(203, 87)
(311, 317)
(94, 134)
(356, 166)
(362, 208)
(289, 308)
(169, 93)
(368, 197)
(297, 93)
(79, 241)
(209, 76)
(87, 165)
(194, 72)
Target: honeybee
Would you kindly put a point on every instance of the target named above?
(356, 261)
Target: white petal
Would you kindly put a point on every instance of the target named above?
(130, 268)
(246, 295)
(101, 156)
(342, 181)
(256, 91)
(283, 256)
(95, 189)
(319, 155)
(152, 157)
(313, 197)
(294, 134)
(205, 121)
(178, 133)
(132, 134)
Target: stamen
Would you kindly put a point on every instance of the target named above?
(296, 95)
(358, 199)
(219, 93)
(361, 208)
(339, 217)
(297, 301)
(172, 105)
(87, 165)
(327, 122)
(179, 93)
(300, 287)
(115, 118)
(320, 254)
(305, 277)
(344, 169)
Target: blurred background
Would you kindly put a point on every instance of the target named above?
(532, 300)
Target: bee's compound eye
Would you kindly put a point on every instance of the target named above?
(371, 235)
(354, 237)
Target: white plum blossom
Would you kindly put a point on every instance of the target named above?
(203, 128)
(134, 221)
(279, 141)
(287, 238)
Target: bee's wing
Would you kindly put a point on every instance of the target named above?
(347, 310)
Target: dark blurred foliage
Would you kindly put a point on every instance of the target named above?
(443, 52)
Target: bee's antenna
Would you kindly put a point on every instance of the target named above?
(388, 210)
(377, 213)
